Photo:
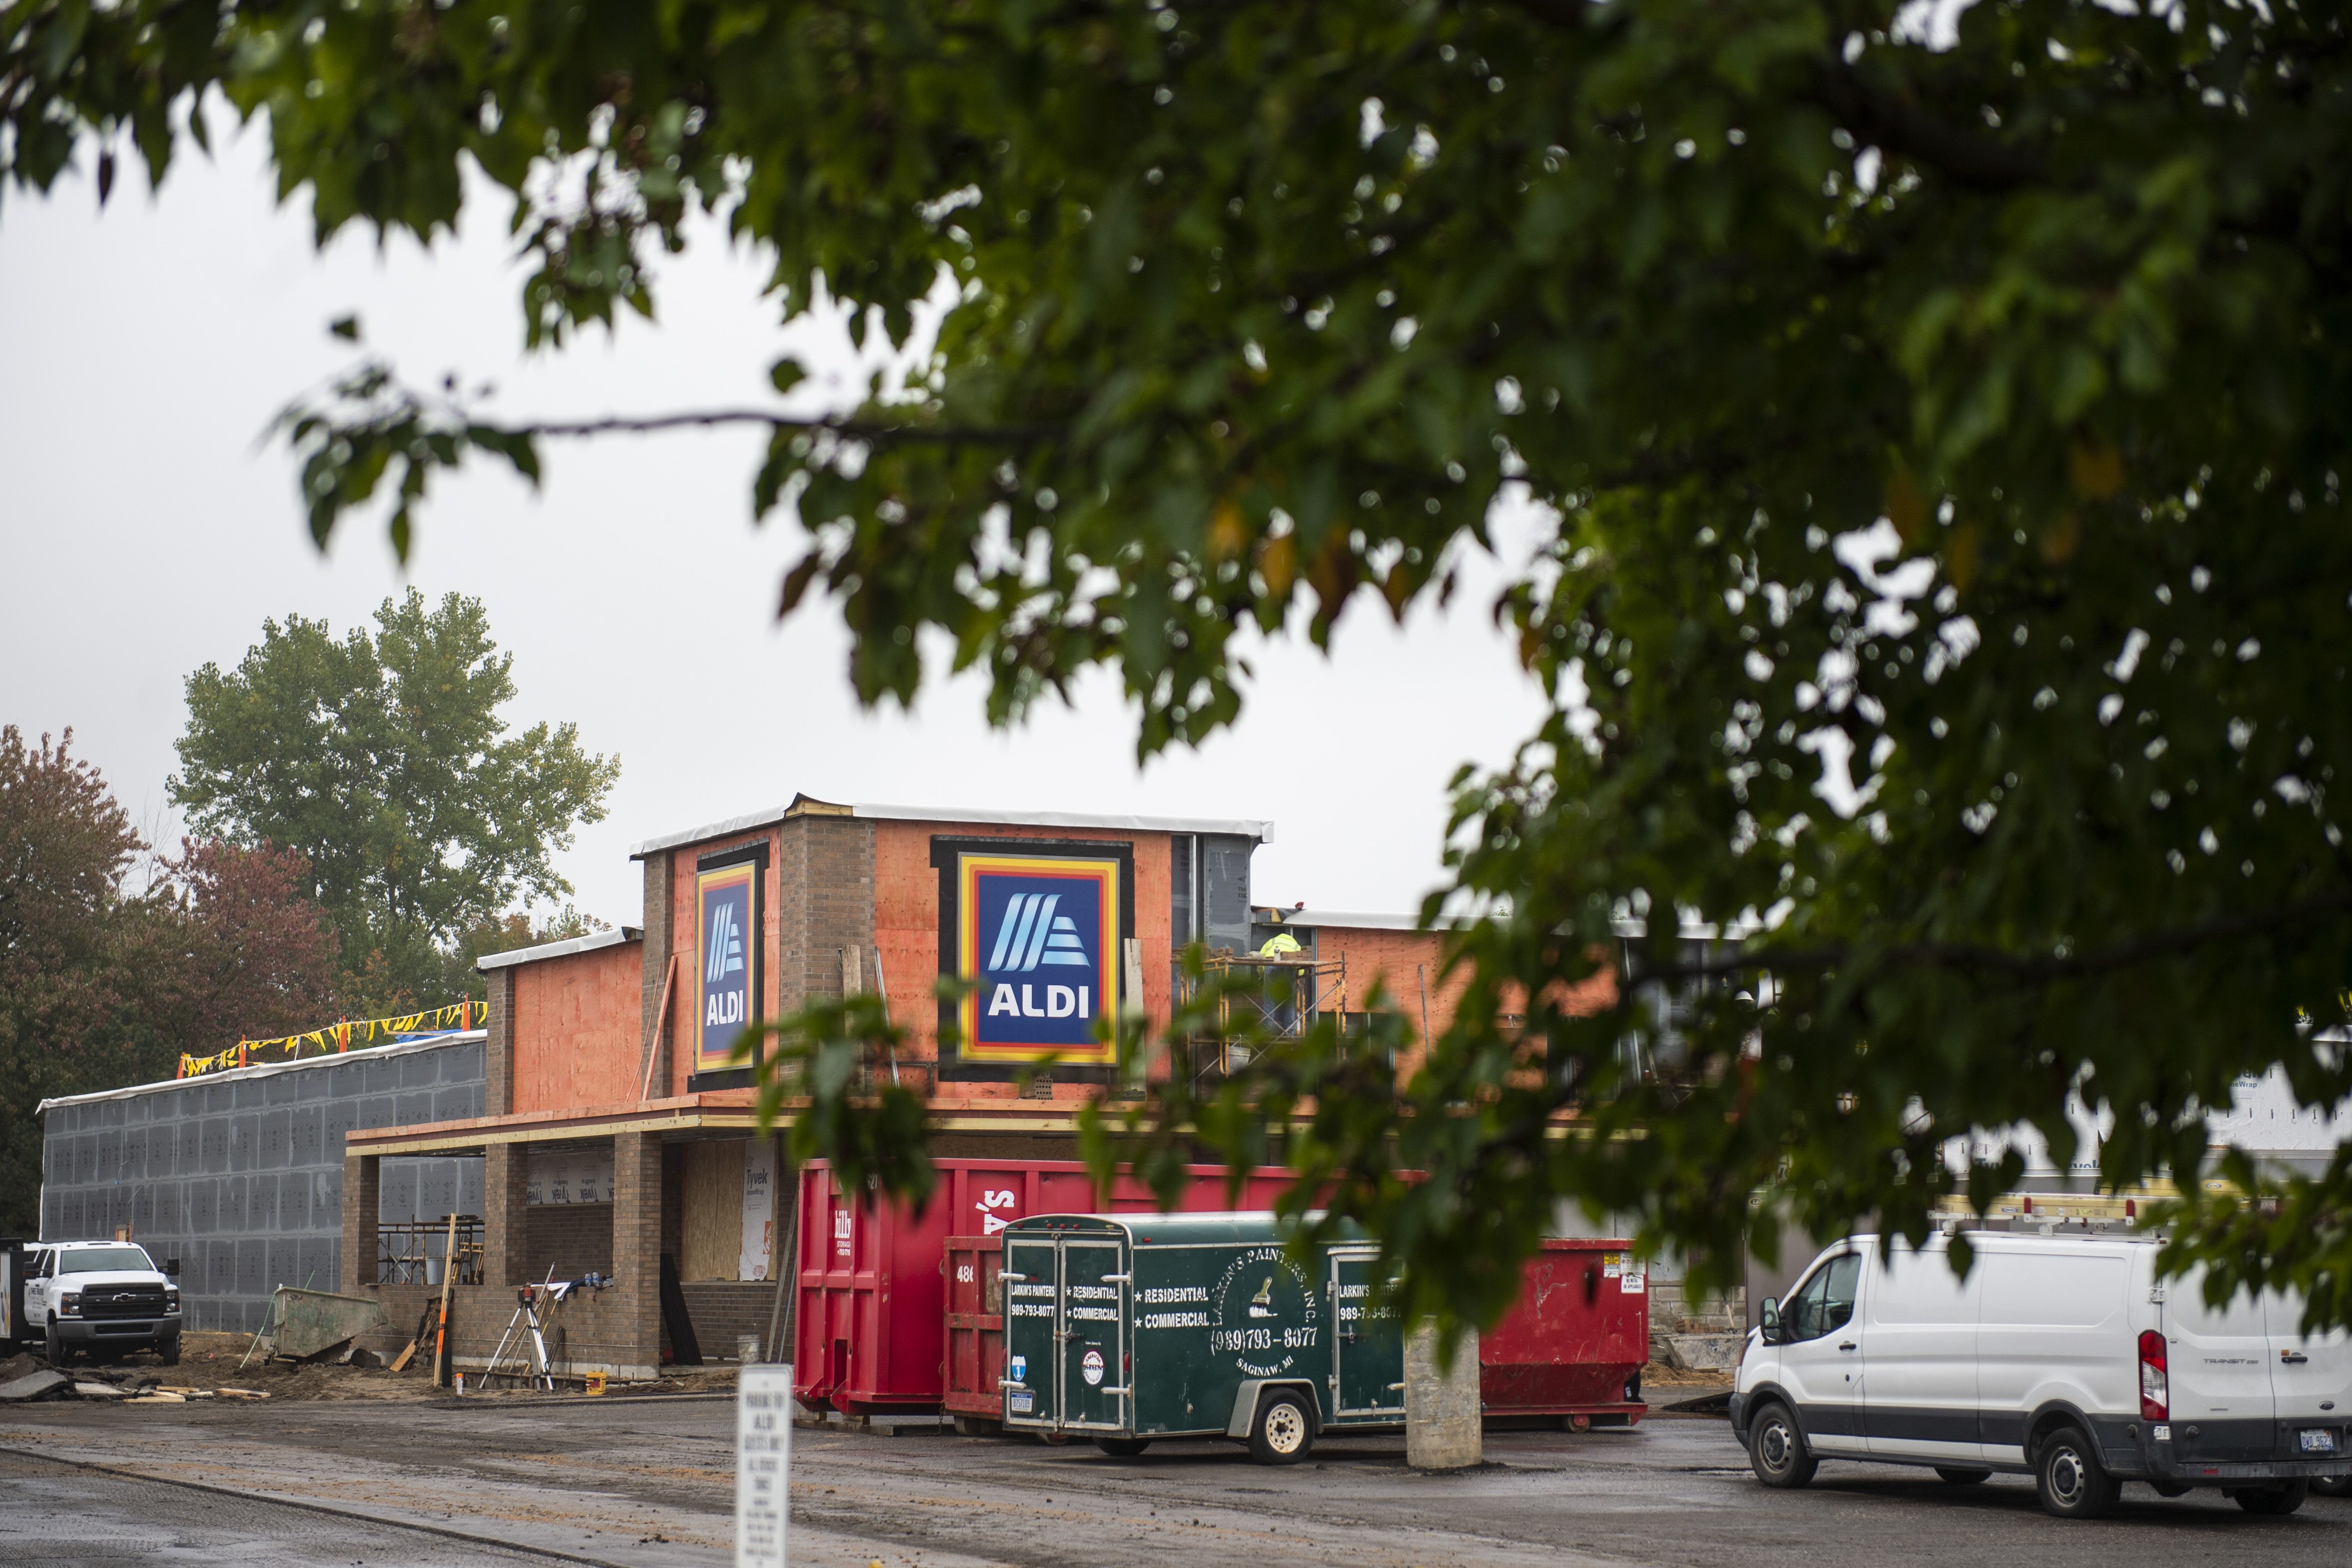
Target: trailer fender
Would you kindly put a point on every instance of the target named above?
(1246, 1400)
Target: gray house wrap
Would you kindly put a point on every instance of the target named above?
(239, 1174)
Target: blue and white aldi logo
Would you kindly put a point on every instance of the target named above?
(1040, 935)
(725, 908)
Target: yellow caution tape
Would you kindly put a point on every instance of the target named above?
(338, 1036)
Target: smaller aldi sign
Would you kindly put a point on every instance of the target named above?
(1040, 935)
(726, 942)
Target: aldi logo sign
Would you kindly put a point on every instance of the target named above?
(726, 907)
(1040, 935)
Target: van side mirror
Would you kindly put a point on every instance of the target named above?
(170, 1267)
(1769, 1315)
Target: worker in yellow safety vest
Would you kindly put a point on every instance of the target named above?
(1279, 944)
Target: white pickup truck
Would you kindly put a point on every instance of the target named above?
(104, 1299)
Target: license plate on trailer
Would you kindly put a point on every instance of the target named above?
(2318, 1440)
(1022, 1403)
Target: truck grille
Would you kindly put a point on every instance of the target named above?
(123, 1302)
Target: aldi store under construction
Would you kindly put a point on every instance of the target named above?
(596, 1123)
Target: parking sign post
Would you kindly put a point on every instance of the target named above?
(763, 1458)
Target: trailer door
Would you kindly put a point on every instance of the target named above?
(1093, 1347)
(1032, 1282)
(1366, 1352)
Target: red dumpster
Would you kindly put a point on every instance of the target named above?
(872, 1282)
(1575, 1343)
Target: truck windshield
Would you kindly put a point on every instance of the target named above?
(104, 1259)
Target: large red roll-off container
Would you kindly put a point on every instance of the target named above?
(899, 1311)
(1575, 1343)
(872, 1285)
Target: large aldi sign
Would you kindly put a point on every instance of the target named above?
(726, 906)
(1040, 936)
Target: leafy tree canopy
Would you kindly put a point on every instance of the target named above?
(111, 966)
(383, 759)
(1944, 595)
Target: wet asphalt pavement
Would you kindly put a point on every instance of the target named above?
(649, 1485)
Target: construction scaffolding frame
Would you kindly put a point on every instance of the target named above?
(410, 1251)
(1289, 993)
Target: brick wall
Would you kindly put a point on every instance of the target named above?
(824, 894)
(724, 1310)
(505, 1215)
(634, 1304)
(655, 953)
(498, 1051)
(571, 1238)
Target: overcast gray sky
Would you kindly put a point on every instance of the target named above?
(143, 530)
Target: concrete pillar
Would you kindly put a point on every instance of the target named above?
(636, 1251)
(363, 1207)
(1442, 1423)
(505, 1221)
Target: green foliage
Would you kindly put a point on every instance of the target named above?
(382, 758)
(828, 1073)
(1945, 605)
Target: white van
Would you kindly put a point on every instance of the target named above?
(2061, 1356)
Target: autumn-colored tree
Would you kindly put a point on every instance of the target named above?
(104, 981)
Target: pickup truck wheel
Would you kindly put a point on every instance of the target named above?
(2069, 1479)
(169, 1350)
(1284, 1431)
(2271, 1502)
(1123, 1448)
(1777, 1450)
(55, 1347)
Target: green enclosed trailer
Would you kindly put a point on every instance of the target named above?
(1125, 1328)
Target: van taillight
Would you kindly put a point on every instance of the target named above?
(2155, 1398)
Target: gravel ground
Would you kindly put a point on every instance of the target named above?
(648, 1484)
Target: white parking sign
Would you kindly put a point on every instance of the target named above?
(763, 1459)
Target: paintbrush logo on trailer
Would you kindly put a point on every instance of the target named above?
(1040, 936)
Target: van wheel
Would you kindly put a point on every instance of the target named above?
(1955, 1476)
(2332, 1486)
(2170, 1489)
(1123, 1448)
(2068, 1476)
(1284, 1430)
(1777, 1450)
(2273, 1503)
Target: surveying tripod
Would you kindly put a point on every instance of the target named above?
(525, 1341)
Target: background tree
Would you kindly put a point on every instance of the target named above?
(1942, 600)
(106, 977)
(383, 759)
(65, 846)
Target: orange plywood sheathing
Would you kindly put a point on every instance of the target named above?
(576, 1029)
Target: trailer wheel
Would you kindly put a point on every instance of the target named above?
(1123, 1448)
(1284, 1430)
